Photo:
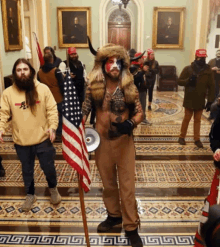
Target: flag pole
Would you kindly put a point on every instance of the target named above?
(81, 196)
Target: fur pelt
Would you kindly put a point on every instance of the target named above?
(126, 82)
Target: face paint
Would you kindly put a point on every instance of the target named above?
(113, 63)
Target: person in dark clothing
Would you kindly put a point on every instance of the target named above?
(215, 66)
(56, 60)
(2, 170)
(53, 78)
(212, 200)
(151, 68)
(141, 84)
(198, 81)
(76, 72)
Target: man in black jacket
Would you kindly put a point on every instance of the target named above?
(140, 82)
(213, 196)
(77, 72)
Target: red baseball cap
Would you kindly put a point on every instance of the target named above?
(201, 53)
(71, 50)
(150, 51)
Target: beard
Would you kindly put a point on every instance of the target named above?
(24, 83)
(112, 77)
(74, 59)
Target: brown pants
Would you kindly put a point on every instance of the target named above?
(197, 123)
(112, 157)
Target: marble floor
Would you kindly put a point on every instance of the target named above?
(171, 184)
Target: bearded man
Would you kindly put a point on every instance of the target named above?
(118, 112)
(34, 122)
(77, 72)
(198, 81)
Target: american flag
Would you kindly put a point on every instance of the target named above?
(73, 134)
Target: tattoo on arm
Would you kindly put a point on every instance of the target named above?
(87, 104)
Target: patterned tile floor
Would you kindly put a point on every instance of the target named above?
(76, 239)
(157, 174)
(141, 149)
(168, 211)
(171, 183)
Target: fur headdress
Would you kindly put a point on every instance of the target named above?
(126, 81)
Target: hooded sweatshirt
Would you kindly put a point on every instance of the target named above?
(28, 129)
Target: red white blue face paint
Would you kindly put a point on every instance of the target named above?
(112, 63)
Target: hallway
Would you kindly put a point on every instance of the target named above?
(171, 184)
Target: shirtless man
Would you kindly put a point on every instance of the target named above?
(118, 111)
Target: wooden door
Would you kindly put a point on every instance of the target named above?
(120, 35)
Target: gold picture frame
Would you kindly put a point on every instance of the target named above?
(168, 27)
(74, 25)
(11, 17)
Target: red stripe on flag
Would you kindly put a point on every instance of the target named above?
(72, 134)
(72, 148)
(72, 162)
(85, 148)
(77, 134)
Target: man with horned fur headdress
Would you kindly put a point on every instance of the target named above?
(118, 111)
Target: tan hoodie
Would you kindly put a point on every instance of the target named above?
(28, 129)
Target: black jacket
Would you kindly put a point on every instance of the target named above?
(57, 62)
(153, 70)
(214, 135)
(139, 81)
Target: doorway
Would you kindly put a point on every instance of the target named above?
(119, 29)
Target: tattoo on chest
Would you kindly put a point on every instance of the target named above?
(115, 103)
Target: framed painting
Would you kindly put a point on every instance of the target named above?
(11, 17)
(168, 28)
(74, 25)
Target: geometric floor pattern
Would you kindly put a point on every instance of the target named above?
(141, 149)
(172, 182)
(11, 239)
(152, 211)
(160, 174)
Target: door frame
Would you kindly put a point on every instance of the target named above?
(140, 23)
(132, 19)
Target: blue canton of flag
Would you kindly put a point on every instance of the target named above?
(71, 105)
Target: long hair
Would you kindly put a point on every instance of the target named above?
(32, 94)
(51, 50)
(152, 62)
